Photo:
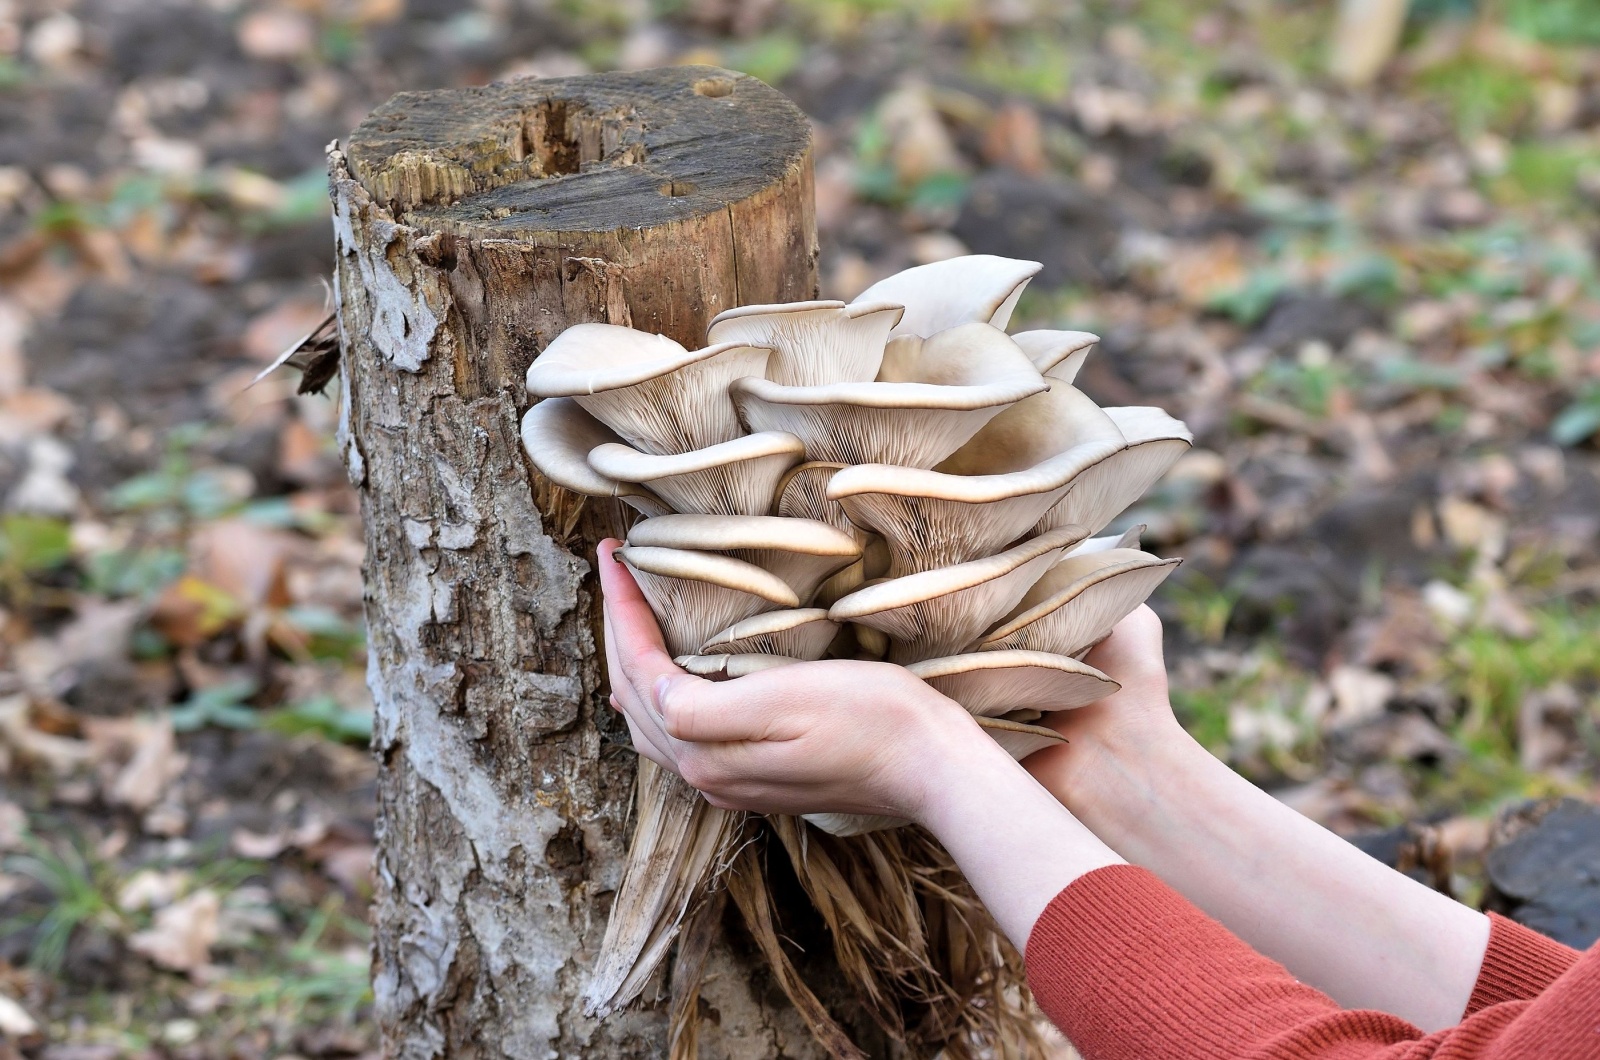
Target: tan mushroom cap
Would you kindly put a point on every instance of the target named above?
(728, 667)
(945, 390)
(803, 552)
(813, 342)
(1057, 354)
(943, 294)
(1101, 493)
(803, 494)
(734, 478)
(940, 612)
(1035, 429)
(804, 633)
(557, 434)
(1020, 739)
(1079, 600)
(992, 683)
(658, 396)
(695, 594)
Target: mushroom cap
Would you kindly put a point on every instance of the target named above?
(1020, 739)
(849, 824)
(931, 519)
(1100, 493)
(1079, 600)
(1057, 354)
(803, 552)
(1129, 538)
(739, 477)
(656, 395)
(802, 494)
(942, 294)
(1035, 429)
(556, 433)
(940, 612)
(991, 683)
(695, 594)
(943, 392)
(813, 342)
(728, 667)
(803, 633)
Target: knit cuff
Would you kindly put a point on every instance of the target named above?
(1518, 964)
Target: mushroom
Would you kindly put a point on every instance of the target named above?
(803, 494)
(804, 633)
(556, 434)
(1020, 739)
(1079, 600)
(991, 683)
(728, 667)
(1057, 354)
(1101, 493)
(695, 594)
(990, 491)
(1129, 538)
(942, 294)
(938, 393)
(658, 396)
(940, 612)
(739, 477)
(802, 552)
(813, 342)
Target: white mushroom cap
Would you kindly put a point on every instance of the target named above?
(556, 434)
(658, 396)
(728, 667)
(1129, 538)
(799, 634)
(991, 683)
(813, 342)
(803, 552)
(1079, 600)
(1057, 354)
(1101, 493)
(1018, 738)
(1035, 429)
(940, 295)
(695, 594)
(945, 389)
(734, 478)
(849, 824)
(940, 612)
(803, 494)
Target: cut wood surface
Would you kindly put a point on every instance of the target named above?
(473, 226)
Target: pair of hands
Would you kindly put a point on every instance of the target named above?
(851, 737)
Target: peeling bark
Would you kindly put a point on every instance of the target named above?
(473, 226)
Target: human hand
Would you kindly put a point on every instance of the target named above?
(1125, 724)
(837, 736)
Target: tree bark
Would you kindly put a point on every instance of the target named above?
(472, 226)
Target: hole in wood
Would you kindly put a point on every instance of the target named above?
(676, 188)
(563, 137)
(715, 87)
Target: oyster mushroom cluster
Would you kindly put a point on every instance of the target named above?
(889, 478)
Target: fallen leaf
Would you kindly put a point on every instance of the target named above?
(183, 933)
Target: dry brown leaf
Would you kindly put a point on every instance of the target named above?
(244, 560)
(183, 933)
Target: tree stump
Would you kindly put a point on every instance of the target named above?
(472, 226)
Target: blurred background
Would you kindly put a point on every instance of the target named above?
(1354, 246)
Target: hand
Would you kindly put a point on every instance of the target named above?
(1124, 725)
(838, 736)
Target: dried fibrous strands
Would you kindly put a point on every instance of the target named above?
(813, 342)
(737, 477)
(1079, 600)
(658, 396)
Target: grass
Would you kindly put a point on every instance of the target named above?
(81, 889)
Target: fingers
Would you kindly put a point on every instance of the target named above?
(634, 648)
(701, 711)
(1133, 651)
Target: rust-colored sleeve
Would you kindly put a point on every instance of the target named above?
(1518, 965)
(1130, 970)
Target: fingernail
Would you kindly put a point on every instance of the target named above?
(662, 684)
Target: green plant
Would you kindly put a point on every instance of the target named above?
(1204, 606)
(224, 705)
(310, 982)
(1580, 420)
(1571, 22)
(81, 889)
(324, 716)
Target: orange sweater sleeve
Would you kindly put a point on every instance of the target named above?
(1519, 964)
(1130, 970)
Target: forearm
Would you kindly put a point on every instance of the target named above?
(1016, 843)
(1337, 919)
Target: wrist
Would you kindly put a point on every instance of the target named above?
(1118, 781)
(954, 761)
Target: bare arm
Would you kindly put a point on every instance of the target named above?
(1340, 921)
